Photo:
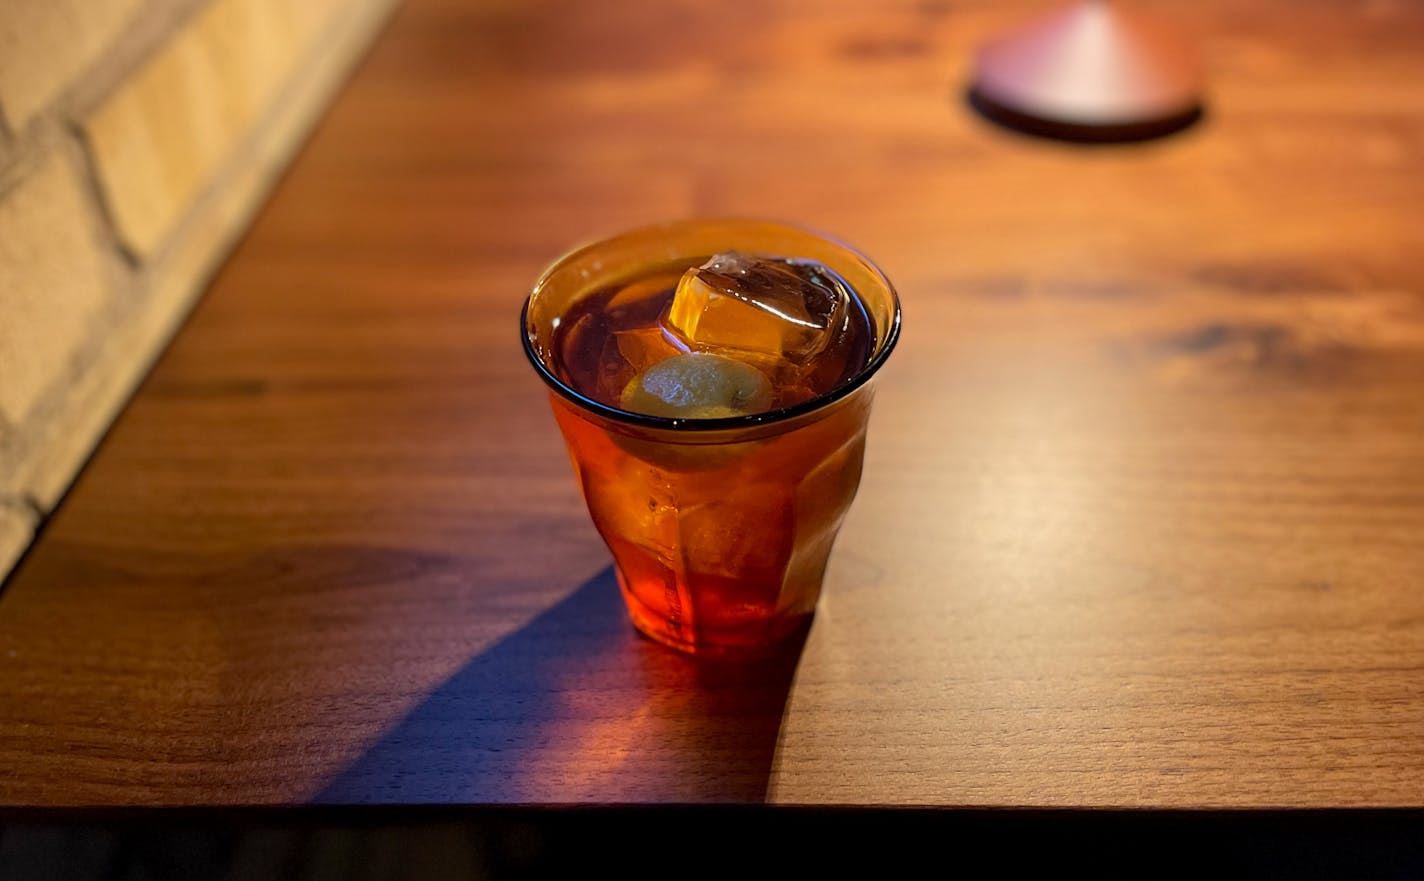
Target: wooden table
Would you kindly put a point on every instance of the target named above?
(1142, 521)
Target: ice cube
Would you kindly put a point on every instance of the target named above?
(742, 536)
(642, 347)
(638, 292)
(758, 309)
(625, 354)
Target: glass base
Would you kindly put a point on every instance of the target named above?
(758, 639)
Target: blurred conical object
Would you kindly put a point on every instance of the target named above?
(1089, 71)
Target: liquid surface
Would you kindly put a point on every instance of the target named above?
(616, 335)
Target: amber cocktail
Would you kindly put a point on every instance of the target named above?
(711, 380)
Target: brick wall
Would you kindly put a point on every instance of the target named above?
(137, 138)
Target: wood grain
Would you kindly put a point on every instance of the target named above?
(1142, 511)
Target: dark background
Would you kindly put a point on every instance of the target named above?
(440, 843)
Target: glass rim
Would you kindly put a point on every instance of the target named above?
(723, 423)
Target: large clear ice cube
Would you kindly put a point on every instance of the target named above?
(642, 347)
(758, 309)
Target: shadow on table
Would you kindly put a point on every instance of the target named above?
(576, 707)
